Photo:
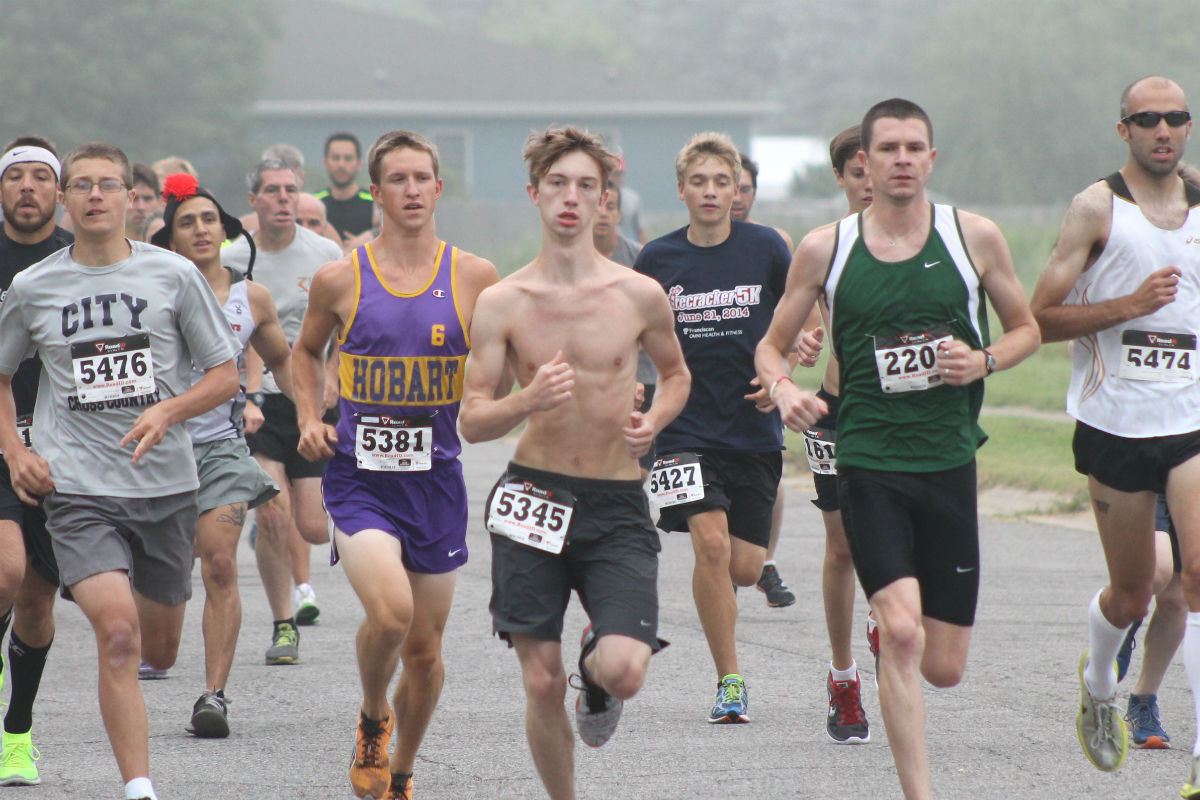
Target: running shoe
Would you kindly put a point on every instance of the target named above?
(305, 601)
(149, 673)
(596, 711)
(873, 642)
(401, 787)
(1144, 724)
(847, 722)
(733, 701)
(17, 767)
(210, 716)
(770, 584)
(1191, 789)
(370, 776)
(1126, 652)
(1101, 730)
(285, 645)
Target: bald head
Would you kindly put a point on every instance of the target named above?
(311, 213)
(1151, 84)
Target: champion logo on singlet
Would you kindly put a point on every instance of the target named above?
(438, 293)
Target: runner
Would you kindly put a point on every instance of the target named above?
(905, 281)
(231, 482)
(350, 209)
(287, 257)
(770, 582)
(116, 323)
(570, 512)
(402, 305)
(1113, 283)
(29, 172)
(846, 722)
(722, 279)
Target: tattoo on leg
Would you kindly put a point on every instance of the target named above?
(233, 514)
(1101, 506)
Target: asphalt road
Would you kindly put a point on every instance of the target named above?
(1007, 731)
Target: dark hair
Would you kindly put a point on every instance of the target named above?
(255, 177)
(31, 140)
(615, 191)
(750, 168)
(844, 146)
(143, 173)
(895, 108)
(542, 150)
(97, 150)
(344, 136)
(398, 140)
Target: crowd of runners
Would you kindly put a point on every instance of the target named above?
(166, 367)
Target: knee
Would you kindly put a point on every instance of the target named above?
(622, 677)
(745, 573)
(902, 637)
(1130, 605)
(712, 549)
(314, 531)
(220, 571)
(423, 661)
(545, 685)
(391, 622)
(272, 517)
(118, 643)
(941, 675)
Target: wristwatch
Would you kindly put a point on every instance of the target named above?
(258, 397)
(989, 361)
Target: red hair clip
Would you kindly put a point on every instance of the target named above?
(180, 187)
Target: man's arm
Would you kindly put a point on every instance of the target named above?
(797, 408)
(1084, 231)
(484, 415)
(329, 285)
(268, 340)
(674, 379)
(29, 472)
(1021, 337)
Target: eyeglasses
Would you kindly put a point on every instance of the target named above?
(1150, 119)
(84, 186)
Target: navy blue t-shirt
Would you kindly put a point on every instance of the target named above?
(723, 298)
(15, 257)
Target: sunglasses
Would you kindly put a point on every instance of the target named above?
(1150, 119)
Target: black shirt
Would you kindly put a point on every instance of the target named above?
(349, 217)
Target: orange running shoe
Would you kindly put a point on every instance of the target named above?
(370, 776)
(400, 791)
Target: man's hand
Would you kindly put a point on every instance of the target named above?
(760, 397)
(315, 440)
(1159, 288)
(148, 430)
(30, 475)
(252, 417)
(639, 434)
(959, 364)
(551, 385)
(798, 409)
(809, 345)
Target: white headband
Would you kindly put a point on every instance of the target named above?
(39, 155)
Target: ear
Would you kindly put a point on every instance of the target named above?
(532, 191)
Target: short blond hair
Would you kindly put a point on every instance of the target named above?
(709, 143)
(543, 149)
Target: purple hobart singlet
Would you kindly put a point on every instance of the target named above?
(401, 366)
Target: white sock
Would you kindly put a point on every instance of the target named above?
(139, 788)
(1104, 641)
(871, 624)
(847, 674)
(769, 563)
(1191, 663)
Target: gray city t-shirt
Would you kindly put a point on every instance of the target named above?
(113, 341)
(286, 274)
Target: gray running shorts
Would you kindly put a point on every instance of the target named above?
(229, 474)
(151, 538)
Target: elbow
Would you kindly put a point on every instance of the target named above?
(467, 430)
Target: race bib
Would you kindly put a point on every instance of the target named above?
(111, 369)
(820, 445)
(531, 515)
(1157, 356)
(676, 480)
(24, 426)
(907, 362)
(383, 443)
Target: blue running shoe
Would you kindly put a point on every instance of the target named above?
(1144, 726)
(733, 700)
(1125, 654)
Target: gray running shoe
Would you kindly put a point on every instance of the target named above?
(285, 645)
(1101, 730)
(210, 716)
(596, 711)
